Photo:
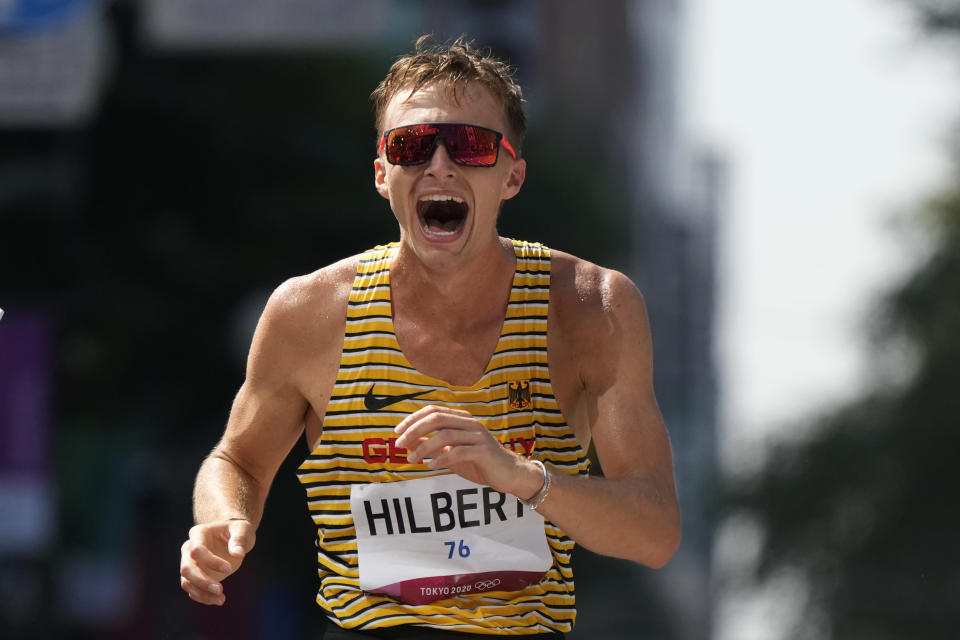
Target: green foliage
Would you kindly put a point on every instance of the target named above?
(866, 509)
(921, 311)
(939, 15)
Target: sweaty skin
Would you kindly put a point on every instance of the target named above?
(449, 293)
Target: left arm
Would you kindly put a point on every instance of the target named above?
(632, 512)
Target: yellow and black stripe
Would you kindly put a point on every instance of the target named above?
(513, 399)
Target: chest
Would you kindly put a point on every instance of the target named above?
(456, 354)
(461, 358)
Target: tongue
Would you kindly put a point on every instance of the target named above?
(443, 225)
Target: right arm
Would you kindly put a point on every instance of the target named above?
(290, 358)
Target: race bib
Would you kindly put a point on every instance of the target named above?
(433, 538)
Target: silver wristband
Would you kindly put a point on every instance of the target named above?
(541, 495)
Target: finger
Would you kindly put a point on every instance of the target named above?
(435, 421)
(242, 538)
(200, 588)
(200, 595)
(206, 559)
(204, 534)
(425, 412)
(415, 417)
(441, 442)
(199, 578)
(450, 457)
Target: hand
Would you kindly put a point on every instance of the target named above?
(461, 443)
(213, 552)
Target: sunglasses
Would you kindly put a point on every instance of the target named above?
(467, 144)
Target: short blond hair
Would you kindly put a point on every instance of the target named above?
(453, 66)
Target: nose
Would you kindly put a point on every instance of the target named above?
(440, 164)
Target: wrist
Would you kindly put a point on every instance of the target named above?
(543, 487)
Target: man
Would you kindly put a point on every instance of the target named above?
(448, 470)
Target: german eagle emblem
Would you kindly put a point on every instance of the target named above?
(519, 394)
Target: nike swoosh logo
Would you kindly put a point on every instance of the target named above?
(375, 403)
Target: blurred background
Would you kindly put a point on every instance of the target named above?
(778, 178)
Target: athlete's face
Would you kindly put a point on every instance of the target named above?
(446, 209)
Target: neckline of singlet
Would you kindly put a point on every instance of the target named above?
(519, 249)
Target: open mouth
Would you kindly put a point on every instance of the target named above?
(442, 215)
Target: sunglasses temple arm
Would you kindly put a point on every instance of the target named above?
(506, 145)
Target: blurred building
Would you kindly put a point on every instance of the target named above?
(605, 73)
(678, 192)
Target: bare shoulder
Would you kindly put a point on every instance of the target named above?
(587, 296)
(304, 316)
(599, 317)
(292, 364)
(313, 299)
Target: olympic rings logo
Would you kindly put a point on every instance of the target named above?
(486, 585)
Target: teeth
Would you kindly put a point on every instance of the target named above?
(441, 198)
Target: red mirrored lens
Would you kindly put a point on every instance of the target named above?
(411, 145)
(472, 145)
(467, 144)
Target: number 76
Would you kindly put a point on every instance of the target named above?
(462, 549)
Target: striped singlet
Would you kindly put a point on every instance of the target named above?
(513, 399)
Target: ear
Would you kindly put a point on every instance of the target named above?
(514, 180)
(380, 178)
